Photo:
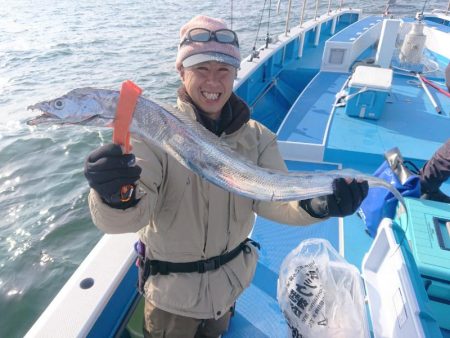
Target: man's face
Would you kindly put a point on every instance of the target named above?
(210, 85)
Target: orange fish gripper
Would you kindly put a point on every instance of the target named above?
(126, 104)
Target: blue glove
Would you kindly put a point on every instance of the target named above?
(107, 170)
(345, 200)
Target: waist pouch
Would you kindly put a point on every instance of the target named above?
(148, 267)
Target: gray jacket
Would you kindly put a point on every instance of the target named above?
(183, 218)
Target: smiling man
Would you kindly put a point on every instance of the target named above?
(196, 258)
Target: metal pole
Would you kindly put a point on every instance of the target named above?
(329, 6)
(432, 100)
(340, 4)
(448, 8)
(317, 8)
(302, 16)
(286, 30)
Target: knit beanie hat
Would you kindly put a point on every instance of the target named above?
(192, 53)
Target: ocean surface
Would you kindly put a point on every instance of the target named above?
(50, 47)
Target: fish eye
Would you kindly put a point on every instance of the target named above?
(59, 104)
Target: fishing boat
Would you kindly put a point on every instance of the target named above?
(339, 90)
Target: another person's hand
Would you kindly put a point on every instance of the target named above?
(107, 170)
(345, 200)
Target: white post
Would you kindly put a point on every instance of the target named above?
(333, 25)
(317, 36)
(301, 44)
(386, 46)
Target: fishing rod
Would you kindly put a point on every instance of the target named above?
(302, 15)
(419, 15)
(288, 17)
(317, 9)
(430, 97)
(388, 5)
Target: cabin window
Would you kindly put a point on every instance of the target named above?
(336, 56)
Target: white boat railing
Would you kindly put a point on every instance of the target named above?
(302, 14)
(316, 10)
(288, 17)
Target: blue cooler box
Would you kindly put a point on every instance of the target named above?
(368, 89)
(428, 233)
(397, 300)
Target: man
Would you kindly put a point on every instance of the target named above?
(184, 220)
(435, 172)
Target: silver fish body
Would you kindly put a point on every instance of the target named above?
(196, 148)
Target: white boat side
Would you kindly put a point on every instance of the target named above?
(74, 310)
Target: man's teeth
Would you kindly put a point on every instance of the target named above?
(211, 96)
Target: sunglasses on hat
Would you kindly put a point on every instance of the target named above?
(205, 35)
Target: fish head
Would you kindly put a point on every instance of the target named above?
(85, 106)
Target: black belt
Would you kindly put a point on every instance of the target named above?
(153, 267)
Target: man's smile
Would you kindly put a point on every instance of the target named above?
(210, 95)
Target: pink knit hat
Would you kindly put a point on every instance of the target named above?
(192, 53)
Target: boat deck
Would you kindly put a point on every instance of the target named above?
(257, 312)
(408, 122)
(308, 118)
(353, 31)
(353, 143)
(406, 108)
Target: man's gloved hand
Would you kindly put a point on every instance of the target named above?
(107, 169)
(345, 200)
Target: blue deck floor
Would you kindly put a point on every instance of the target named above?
(408, 122)
(354, 143)
(257, 311)
(307, 119)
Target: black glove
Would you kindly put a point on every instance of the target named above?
(107, 170)
(345, 200)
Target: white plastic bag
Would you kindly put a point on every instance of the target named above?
(320, 293)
